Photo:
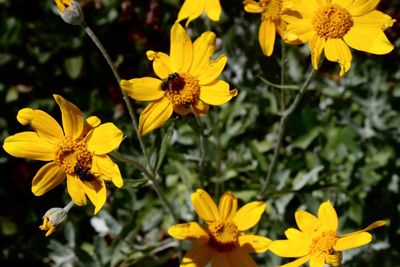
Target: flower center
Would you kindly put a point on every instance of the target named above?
(223, 235)
(324, 243)
(63, 4)
(71, 152)
(182, 89)
(332, 21)
(272, 9)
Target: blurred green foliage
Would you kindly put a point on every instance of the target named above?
(342, 143)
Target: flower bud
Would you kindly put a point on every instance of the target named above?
(70, 11)
(53, 220)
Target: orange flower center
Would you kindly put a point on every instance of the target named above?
(332, 21)
(324, 243)
(223, 235)
(182, 89)
(272, 9)
(71, 152)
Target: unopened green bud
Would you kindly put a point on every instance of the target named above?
(53, 220)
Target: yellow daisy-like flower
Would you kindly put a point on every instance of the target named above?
(192, 9)
(334, 25)
(77, 151)
(272, 14)
(188, 80)
(223, 241)
(317, 240)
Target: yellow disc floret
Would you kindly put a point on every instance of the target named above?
(272, 9)
(71, 152)
(324, 243)
(183, 90)
(223, 235)
(332, 21)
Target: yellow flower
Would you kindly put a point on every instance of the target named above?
(317, 240)
(70, 11)
(77, 151)
(272, 14)
(334, 25)
(223, 242)
(192, 9)
(188, 80)
(53, 220)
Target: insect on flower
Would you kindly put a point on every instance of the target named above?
(171, 79)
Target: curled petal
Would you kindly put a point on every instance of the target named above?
(369, 227)
(104, 138)
(72, 118)
(45, 125)
(102, 165)
(161, 64)
(252, 6)
(143, 89)
(254, 243)
(249, 215)
(200, 108)
(30, 146)
(48, 177)
(155, 115)
(337, 51)
(316, 45)
(204, 206)
(189, 231)
(227, 206)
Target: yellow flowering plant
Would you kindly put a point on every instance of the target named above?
(222, 242)
(317, 240)
(192, 9)
(187, 80)
(76, 152)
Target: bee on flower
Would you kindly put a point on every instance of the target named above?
(80, 142)
(187, 80)
(223, 241)
(317, 240)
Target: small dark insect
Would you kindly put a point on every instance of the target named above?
(166, 83)
(84, 175)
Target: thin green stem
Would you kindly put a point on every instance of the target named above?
(283, 74)
(281, 132)
(152, 175)
(202, 144)
(283, 87)
(68, 206)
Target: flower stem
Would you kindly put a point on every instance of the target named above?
(281, 132)
(68, 206)
(152, 175)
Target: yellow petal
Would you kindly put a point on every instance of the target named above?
(213, 9)
(161, 64)
(361, 7)
(371, 40)
(182, 110)
(204, 206)
(216, 93)
(191, 9)
(72, 118)
(102, 165)
(254, 243)
(239, 258)
(89, 124)
(252, 6)
(294, 234)
(290, 248)
(317, 260)
(219, 259)
(369, 227)
(328, 217)
(298, 262)
(97, 194)
(48, 177)
(307, 8)
(104, 138)
(143, 89)
(227, 206)
(266, 36)
(155, 115)
(76, 190)
(181, 52)
(373, 20)
(200, 108)
(203, 49)
(189, 231)
(45, 125)
(30, 146)
(212, 71)
(316, 45)
(300, 30)
(249, 215)
(306, 222)
(197, 257)
(353, 241)
(337, 51)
